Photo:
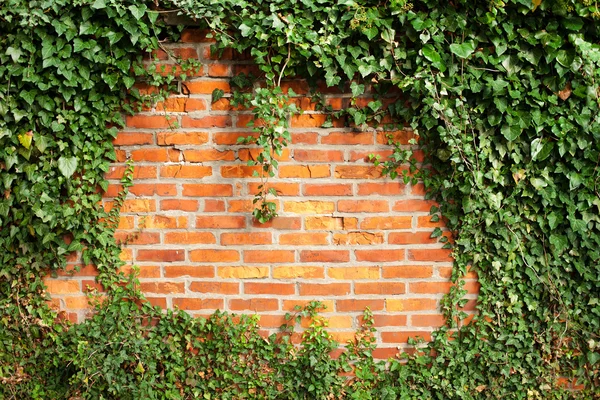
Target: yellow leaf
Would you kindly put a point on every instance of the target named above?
(25, 139)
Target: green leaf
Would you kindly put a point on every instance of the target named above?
(430, 53)
(511, 132)
(217, 94)
(98, 4)
(463, 50)
(67, 166)
(138, 11)
(14, 53)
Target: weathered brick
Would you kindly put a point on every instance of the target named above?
(304, 171)
(309, 207)
(220, 222)
(353, 273)
(379, 255)
(357, 238)
(300, 239)
(324, 289)
(181, 138)
(298, 272)
(386, 223)
(207, 190)
(215, 287)
(243, 272)
(358, 206)
(245, 238)
(161, 255)
(325, 256)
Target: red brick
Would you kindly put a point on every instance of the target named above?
(198, 304)
(151, 189)
(219, 70)
(240, 171)
(137, 238)
(414, 205)
(214, 255)
(206, 86)
(183, 138)
(212, 205)
(162, 287)
(381, 320)
(172, 104)
(402, 337)
(300, 239)
(280, 223)
(384, 288)
(246, 238)
(426, 222)
(207, 190)
(208, 155)
(386, 223)
(326, 256)
(429, 287)
(139, 172)
(304, 171)
(358, 238)
(379, 255)
(434, 320)
(269, 256)
(441, 255)
(348, 138)
(220, 222)
(185, 171)
(359, 305)
(305, 138)
(254, 304)
(403, 305)
(190, 35)
(318, 155)
(189, 238)
(269, 288)
(161, 255)
(324, 289)
(357, 206)
(357, 172)
(176, 204)
(282, 189)
(327, 190)
(402, 136)
(231, 138)
(411, 238)
(215, 287)
(172, 271)
(384, 189)
(211, 121)
(308, 120)
(407, 271)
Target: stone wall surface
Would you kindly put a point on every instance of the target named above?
(345, 235)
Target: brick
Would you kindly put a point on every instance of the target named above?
(282, 189)
(246, 238)
(185, 171)
(326, 256)
(305, 138)
(149, 121)
(342, 337)
(77, 302)
(254, 305)
(172, 271)
(353, 273)
(269, 256)
(385, 353)
(330, 223)
(280, 223)
(348, 138)
(357, 172)
(220, 222)
(190, 35)
(441, 255)
(383, 189)
(161, 255)
(272, 321)
(137, 238)
(386, 223)
(139, 172)
(304, 171)
(379, 255)
(231, 138)
(206, 86)
(151, 189)
(144, 271)
(414, 205)
(357, 206)
(290, 305)
(429, 287)
(269, 288)
(309, 207)
(194, 104)
(182, 138)
(366, 155)
(318, 155)
(189, 238)
(62, 286)
(198, 304)
(212, 205)
(381, 320)
(240, 171)
(162, 287)
(298, 272)
(402, 137)
(214, 255)
(172, 104)
(426, 222)
(327, 190)
(160, 154)
(215, 287)
(252, 154)
(133, 138)
(243, 272)
(407, 271)
(421, 304)
(308, 120)
(324, 289)
(429, 321)
(300, 239)
(359, 305)
(403, 336)
(176, 204)
(138, 205)
(210, 121)
(219, 70)
(208, 155)
(299, 86)
(357, 238)
(207, 190)
(411, 238)
(164, 222)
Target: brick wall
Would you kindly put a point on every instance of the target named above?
(345, 236)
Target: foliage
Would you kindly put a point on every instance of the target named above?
(504, 96)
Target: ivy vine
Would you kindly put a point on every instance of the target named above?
(505, 98)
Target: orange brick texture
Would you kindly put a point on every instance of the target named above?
(344, 235)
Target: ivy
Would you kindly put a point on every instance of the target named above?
(505, 99)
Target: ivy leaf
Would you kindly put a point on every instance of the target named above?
(25, 139)
(14, 53)
(138, 11)
(217, 94)
(437, 232)
(511, 132)
(67, 166)
(98, 4)
(540, 150)
(463, 50)
(432, 55)
(41, 142)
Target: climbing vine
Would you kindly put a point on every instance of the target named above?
(504, 97)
